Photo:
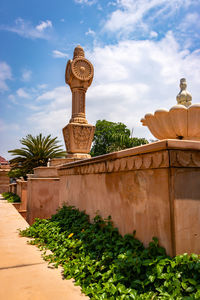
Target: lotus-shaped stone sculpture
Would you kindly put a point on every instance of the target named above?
(180, 122)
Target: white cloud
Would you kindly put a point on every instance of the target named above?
(8, 126)
(112, 3)
(26, 29)
(132, 15)
(10, 134)
(54, 113)
(59, 54)
(12, 98)
(191, 20)
(55, 94)
(26, 75)
(42, 86)
(22, 93)
(87, 2)
(5, 74)
(43, 25)
(131, 79)
(153, 34)
(90, 32)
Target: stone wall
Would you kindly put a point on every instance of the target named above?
(20, 188)
(153, 189)
(13, 188)
(4, 179)
(43, 193)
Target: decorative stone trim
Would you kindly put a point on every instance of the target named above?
(179, 158)
(146, 161)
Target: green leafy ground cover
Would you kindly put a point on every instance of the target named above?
(109, 266)
(11, 197)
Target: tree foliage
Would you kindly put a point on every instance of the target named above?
(110, 137)
(35, 152)
(15, 173)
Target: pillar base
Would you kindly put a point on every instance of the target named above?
(78, 139)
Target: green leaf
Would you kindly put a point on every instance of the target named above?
(192, 281)
(152, 278)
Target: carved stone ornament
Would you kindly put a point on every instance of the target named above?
(78, 137)
(82, 69)
(147, 161)
(181, 158)
(130, 163)
(181, 121)
(68, 71)
(184, 97)
(78, 134)
(79, 71)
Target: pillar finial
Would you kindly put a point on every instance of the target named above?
(184, 97)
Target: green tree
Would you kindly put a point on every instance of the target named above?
(110, 136)
(15, 173)
(35, 152)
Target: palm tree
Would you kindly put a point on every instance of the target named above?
(36, 152)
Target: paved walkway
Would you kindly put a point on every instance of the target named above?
(24, 275)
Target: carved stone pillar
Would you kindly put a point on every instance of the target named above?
(78, 134)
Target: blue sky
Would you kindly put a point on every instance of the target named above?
(139, 48)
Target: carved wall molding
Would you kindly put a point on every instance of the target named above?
(181, 158)
(137, 162)
(160, 159)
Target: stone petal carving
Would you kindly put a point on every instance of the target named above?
(138, 162)
(164, 123)
(130, 163)
(102, 167)
(123, 164)
(151, 122)
(162, 159)
(157, 161)
(117, 165)
(147, 161)
(96, 168)
(196, 158)
(110, 166)
(184, 158)
(179, 122)
(194, 121)
(178, 116)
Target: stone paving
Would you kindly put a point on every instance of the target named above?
(24, 275)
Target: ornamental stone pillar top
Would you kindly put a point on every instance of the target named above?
(79, 75)
(78, 134)
(184, 97)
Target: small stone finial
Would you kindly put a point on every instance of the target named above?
(184, 97)
(78, 52)
(49, 162)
